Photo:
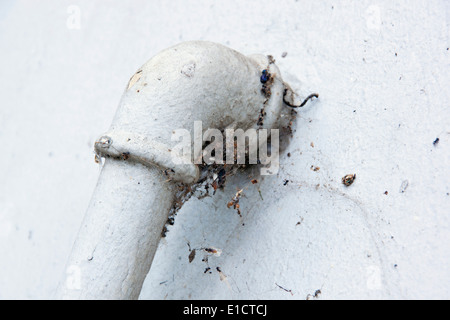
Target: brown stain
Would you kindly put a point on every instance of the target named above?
(135, 78)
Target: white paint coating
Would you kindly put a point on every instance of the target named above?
(194, 81)
(60, 88)
(120, 233)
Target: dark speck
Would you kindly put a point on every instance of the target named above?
(435, 142)
(265, 76)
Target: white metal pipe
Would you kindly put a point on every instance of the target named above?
(120, 233)
(193, 81)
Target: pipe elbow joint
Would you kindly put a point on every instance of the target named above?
(192, 81)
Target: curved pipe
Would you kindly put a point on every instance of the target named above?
(120, 233)
(193, 81)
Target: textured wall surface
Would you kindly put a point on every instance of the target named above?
(382, 71)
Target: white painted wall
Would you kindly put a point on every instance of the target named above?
(381, 69)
